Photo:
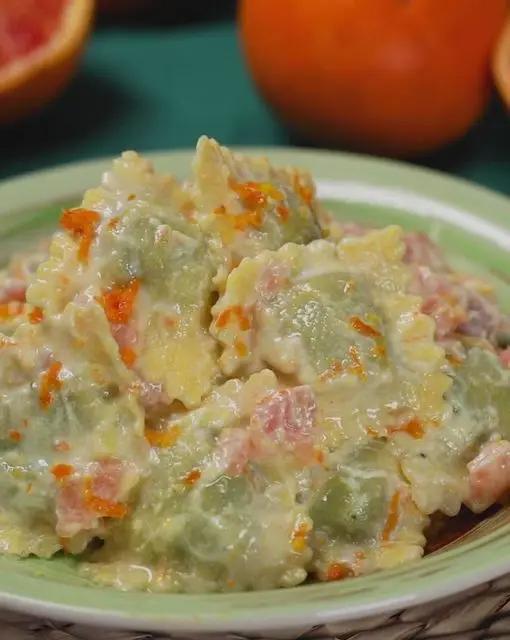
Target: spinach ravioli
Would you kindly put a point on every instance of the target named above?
(215, 386)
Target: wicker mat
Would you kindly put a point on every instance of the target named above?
(483, 613)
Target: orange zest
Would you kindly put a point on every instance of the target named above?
(101, 506)
(163, 439)
(414, 428)
(118, 302)
(283, 212)
(36, 315)
(106, 508)
(62, 471)
(249, 193)
(332, 371)
(49, 384)
(241, 221)
(392, 518)
(128, 356)
(339, 571)
(241, 348)
(15, 436)
(363, 328)
(234, 312)
(254, 195)
(299, 537)
(81, 223)
(193, 476)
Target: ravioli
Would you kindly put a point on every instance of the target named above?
(477, 412)
(337, 318)
(212, 515)
(245, 205)
(71, 433)
(214, 386)
(248, 502)
(364, 517)
(146, 256)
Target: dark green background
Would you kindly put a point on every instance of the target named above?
(151, 83)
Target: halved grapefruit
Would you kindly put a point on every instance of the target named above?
(40, 44)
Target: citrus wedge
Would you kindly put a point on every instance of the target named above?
(501, 63)
(40, 44)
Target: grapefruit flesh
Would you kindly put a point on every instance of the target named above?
(26, 26)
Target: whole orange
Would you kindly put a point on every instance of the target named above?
(401, 77)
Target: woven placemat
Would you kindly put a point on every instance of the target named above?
(483, 613)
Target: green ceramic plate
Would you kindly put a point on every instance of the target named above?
(472, 224)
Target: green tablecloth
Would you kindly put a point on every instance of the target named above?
(160, 88)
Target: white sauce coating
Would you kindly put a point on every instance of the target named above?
(232, 391)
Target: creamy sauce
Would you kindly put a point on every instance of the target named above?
(228, 394)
